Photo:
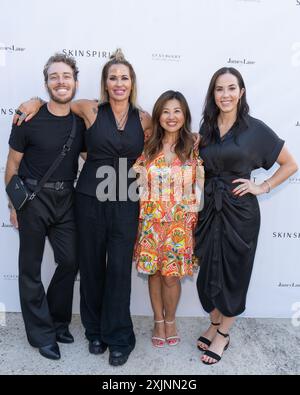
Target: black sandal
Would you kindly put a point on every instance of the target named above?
(214, 355)
(205, 340)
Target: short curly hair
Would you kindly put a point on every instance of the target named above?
(61, 57)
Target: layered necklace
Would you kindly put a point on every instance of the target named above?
(122, 120)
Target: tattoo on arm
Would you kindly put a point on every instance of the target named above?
(95, 110)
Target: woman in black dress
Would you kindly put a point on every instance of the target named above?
(107, 217)
(232, 145)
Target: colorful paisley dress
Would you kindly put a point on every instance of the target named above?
(168, 216)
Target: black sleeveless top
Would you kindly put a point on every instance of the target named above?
(107, 146)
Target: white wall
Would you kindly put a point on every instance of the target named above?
(177, 45)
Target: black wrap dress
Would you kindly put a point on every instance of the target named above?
(228, 226)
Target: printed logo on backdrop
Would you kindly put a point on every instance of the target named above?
(298, 122)
(87, 53)
(6, 225)
(10, 276)
(166, 57)
(297, 2)
(6, 111)
(6, 50)
(15, 277)
(232, 61)
(286, 235)
(292, 284)
(294, 180)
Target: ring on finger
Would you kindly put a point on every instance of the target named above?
(23, 116)
(18, 112)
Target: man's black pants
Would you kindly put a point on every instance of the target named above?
(50, 214)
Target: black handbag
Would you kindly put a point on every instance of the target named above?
(17, 191)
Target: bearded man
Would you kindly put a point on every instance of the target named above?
(34, 146)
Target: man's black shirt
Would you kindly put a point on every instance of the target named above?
(41, 140)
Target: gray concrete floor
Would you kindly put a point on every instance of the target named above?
(258, 346)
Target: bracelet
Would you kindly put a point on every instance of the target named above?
(269, 186)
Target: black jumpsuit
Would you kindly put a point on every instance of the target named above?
(228, 226)
(107, 231)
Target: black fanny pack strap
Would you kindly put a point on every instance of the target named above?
(56, 163)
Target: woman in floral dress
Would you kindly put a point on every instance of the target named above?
(168, 170)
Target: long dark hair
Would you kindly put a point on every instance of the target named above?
(211, 111)
(184, 144)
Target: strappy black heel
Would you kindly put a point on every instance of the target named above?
(204, 340)
(214, 355)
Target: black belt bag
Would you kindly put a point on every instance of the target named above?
(17, 190)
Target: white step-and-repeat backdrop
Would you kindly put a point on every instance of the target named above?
(172, 44)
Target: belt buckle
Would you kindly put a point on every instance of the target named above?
(59, 185)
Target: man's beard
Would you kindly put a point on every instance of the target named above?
(58, 100)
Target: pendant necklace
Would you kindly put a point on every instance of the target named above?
(122, 120)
